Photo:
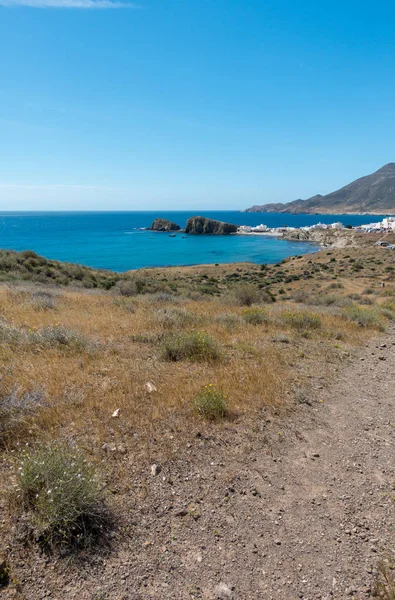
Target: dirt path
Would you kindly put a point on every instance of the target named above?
(231, 520)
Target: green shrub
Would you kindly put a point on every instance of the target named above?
(210, 404)
(197, 346)
(365, 317)
(389, 305)
(62, 495)
(301, 321)
(255, 316)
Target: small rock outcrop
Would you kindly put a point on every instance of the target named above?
(203, 225)
(164, 225)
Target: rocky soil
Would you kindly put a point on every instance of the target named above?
(298, 507)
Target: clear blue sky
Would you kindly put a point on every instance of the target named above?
(191, 103)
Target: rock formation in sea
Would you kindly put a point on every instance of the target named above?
(203, 225)
(164, 225)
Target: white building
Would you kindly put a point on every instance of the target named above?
(389, 223)
(260, 227)
(244, 229)
(337, 225)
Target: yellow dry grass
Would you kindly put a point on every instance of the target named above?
(84, 387)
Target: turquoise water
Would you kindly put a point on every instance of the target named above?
(112, 240)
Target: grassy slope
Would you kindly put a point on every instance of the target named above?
(83, 355)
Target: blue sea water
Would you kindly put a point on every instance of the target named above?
(112, 240)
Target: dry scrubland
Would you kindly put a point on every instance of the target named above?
(97, 384)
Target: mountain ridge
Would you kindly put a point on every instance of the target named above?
(370, 194)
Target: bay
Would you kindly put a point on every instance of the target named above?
(114, 240)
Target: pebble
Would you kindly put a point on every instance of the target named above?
(155, 469)
(223, 591)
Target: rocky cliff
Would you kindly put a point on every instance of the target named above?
(202, 225)
(164, 225)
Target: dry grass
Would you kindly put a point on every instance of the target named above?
(84, 387)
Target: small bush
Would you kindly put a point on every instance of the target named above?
(62, 495)
(9, 333)
(58, 336)
(281, 338)
(163, 298)
(128, 288)
(228, 321)
(41, 300)
(301, 321)
(16, 406)
(365, 317)
(175, 317)
(210, 404)
(197, 346)
(335, 286)
(125, 304)
(384, 587)
(255, 316)
(4, 573)
(247, 295)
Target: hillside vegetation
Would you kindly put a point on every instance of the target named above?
(100, 388)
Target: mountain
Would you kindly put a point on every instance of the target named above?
(372, 194)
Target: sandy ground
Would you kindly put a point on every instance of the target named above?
(296, 508)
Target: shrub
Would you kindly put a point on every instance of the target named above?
(62, 495)
(281, 338)
(128, 288)
(163, 298)
(10, 333)
(42, 300)
(365, 317)
(385, 581)
(175, 317)
(210, 404)
(16, 405)
(228, 321)
(4, 573)
(125, 304)
(196, 345)
(255, 316)
(247, 295)
(335, 286)
(58, 336)
(301, 321)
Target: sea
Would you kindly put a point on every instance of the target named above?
(118, 241)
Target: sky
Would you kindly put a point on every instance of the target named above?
(184, 104)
